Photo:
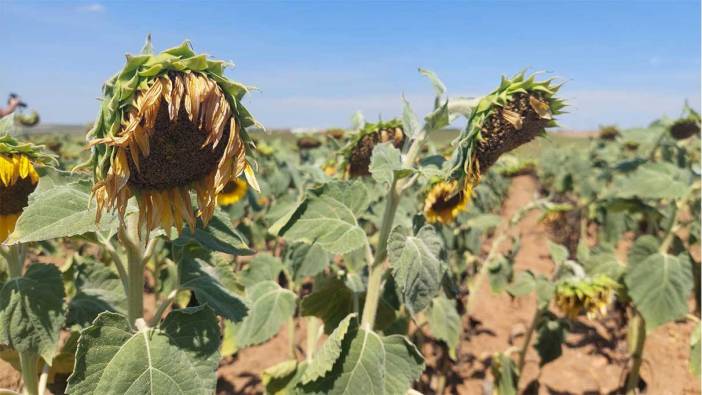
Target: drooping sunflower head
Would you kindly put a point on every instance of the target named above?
(445, 200)
(357, 153)
(170, 123)
(585, 295)
(518, 111)
(18, 179)
(687, 126)
(232, 192)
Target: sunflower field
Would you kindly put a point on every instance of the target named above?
(176, 247)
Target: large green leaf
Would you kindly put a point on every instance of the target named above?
(59, 211)
(445, 323)
(652, 181)
(98, 289)
(331, 302)
(323, 361)
(308, 260)
(660, 286)
(353, 194)
(208, 282)
(179, 357)
(32, 311)
(219, 235)
(416, 266)
(326, 222)
(270, 306)
(263, 267)
(558, 253)
(371, 364)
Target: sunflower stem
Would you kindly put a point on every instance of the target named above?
(376, 270)
(135, 247)
(29, 363)
(521, 359)
(637, 340)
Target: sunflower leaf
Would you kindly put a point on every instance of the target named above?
(178, 357)
(32, 311)
(208, 283)
(445, 323)
(660, 286)
(324, 221)
(59, 209)
(270, 306)
(416, 266)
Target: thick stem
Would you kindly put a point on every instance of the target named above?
(521, 360)
(15, 260)
(314, 331)
(637, 339)
(135, 247)
(29, 363)
(375, 263)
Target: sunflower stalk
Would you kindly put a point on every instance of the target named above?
(637, 340)
(134, 245)
(29, 361)
(376, 262)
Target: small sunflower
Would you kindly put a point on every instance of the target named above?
(609, 132)
(588, 295)
(27, 120)
(18, 179)
(357, 153)
(445, 201)
(518, 111)
(169, 124)
(232, 192)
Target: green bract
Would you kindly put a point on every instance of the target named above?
(515, 113)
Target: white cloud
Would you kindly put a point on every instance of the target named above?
(92, 8)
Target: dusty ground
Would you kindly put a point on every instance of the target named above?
(593, 361)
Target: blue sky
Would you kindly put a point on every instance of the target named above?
(625, 62)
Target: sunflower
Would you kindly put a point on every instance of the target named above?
(169, 124)
(518, 111)
(588, 295)
(357, 153)
(444, 202)
(232, 192)
(18, 179)
(687, 126)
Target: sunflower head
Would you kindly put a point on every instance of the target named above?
(308, 142)
(18, 179)
(170, 123)
(687, 126)
(232, 192)
(609, 132)
(335, 133)
(519, 110)
(445, 200)
(585, 295)
(357, 153)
